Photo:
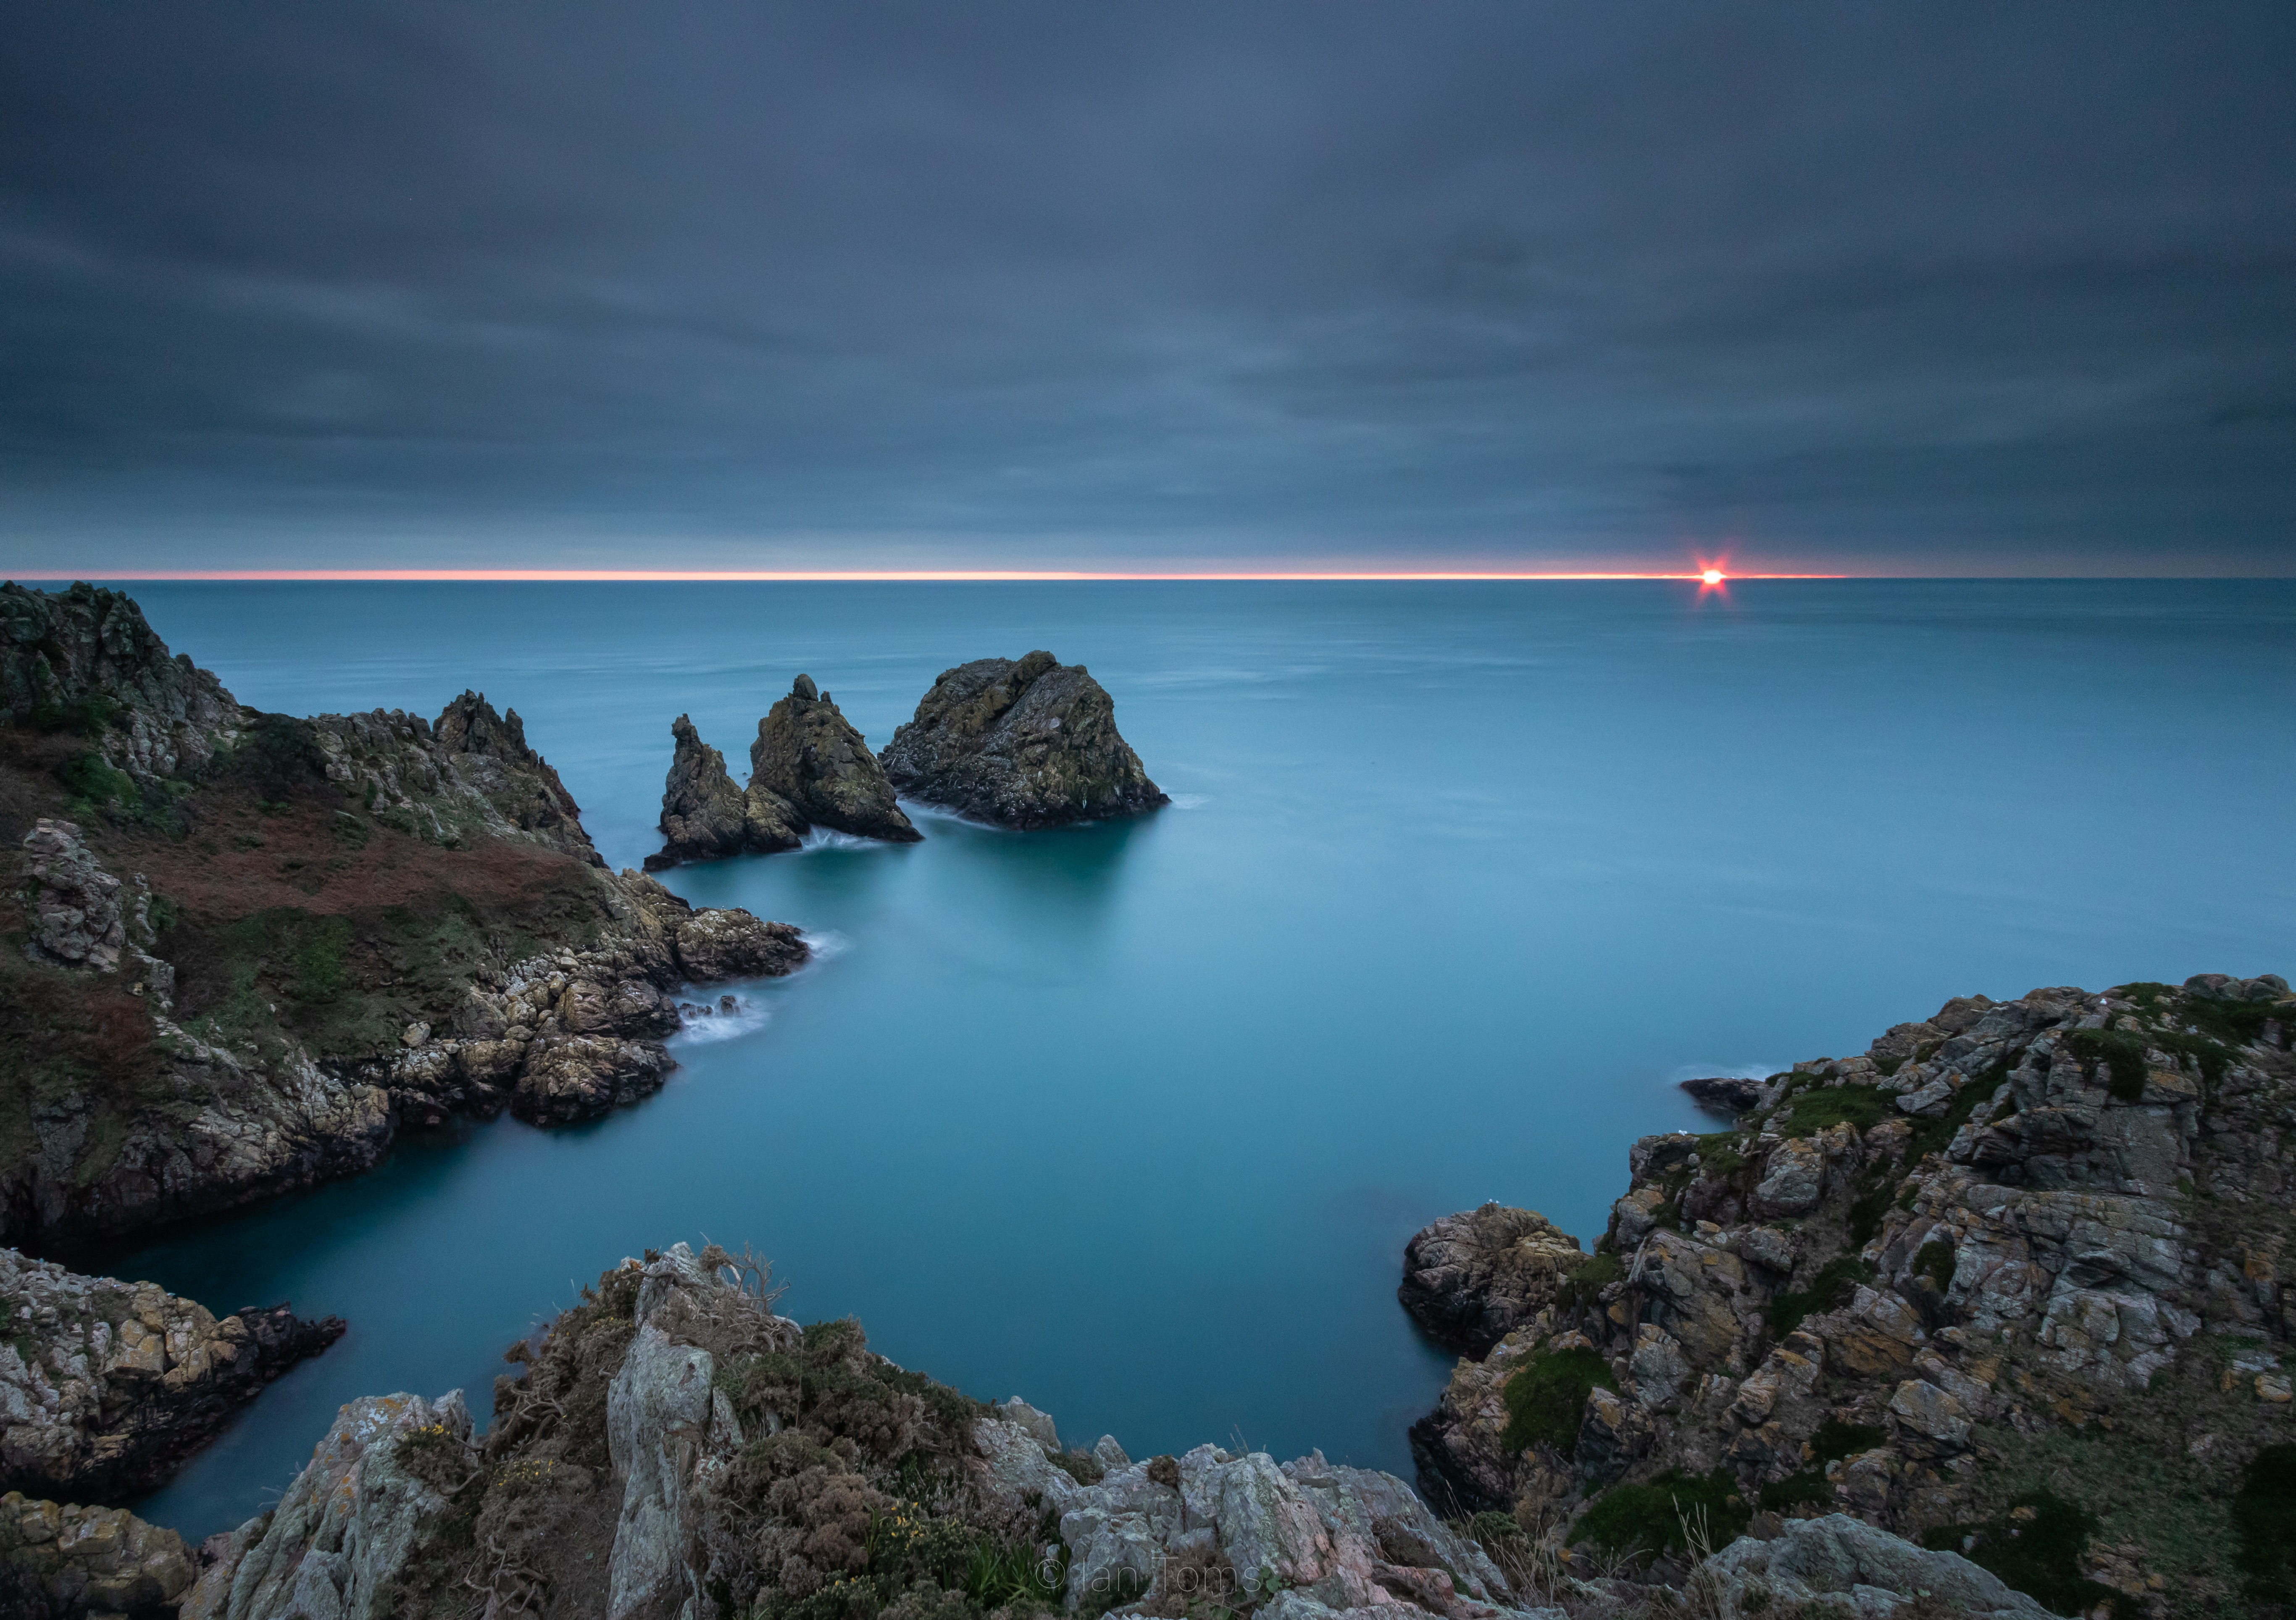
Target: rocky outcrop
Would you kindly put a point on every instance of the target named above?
(1023, 743)
(673, 1446)
(1839, 1564)
(70, 902)
(1725, 1095)
(61, 1561)
(1912, 1276)
(1469, 1279)
(83, 662)
(107, 1387)
(704, 816)
(256, 946)
(809, 767)
(355, 1520)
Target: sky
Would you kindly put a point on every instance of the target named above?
(1923, 289)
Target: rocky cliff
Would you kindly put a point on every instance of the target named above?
(245, 949)
(809, 767)
(672, 1447)
(2009, 1282)
(1023, 743)
(107, 1387)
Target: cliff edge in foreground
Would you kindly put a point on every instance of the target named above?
(2009, 1283)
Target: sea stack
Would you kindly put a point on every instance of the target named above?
(808, 766)
(1023, 743)
(704, 816)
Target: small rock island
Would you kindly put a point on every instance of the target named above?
(1021, 743)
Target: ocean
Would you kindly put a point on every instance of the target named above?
(1458, 882)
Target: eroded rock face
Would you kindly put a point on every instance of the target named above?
(2072, 1209)
(1024, 743)
(809, 767)
(704, 816)
(1468, 1279)
(61, 1561)
(373, 1493)
(107, 1387)
(73, 904)
(85, 660)
(1826, 1561)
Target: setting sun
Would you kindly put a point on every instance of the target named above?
(1712, 576)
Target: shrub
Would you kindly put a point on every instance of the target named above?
(1936, 1261)
(1809, 1486)
(1648, 1518)
(318, 959)
(1822, 1107)
(1547, 1396)
(1583, 1283)
(1835, 1439)
(2035, 1548)
(2264, 1517)
(1934, 1135)
(2122, 1054)
(1831, 1286)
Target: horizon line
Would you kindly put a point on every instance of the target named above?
(884, 576)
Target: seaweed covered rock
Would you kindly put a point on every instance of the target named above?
(1023, 743)
(809, 767)
(2010, 1281)
(704, 816)
(107, 1387)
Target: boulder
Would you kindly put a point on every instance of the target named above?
(1469, 1279)
(1725, 1095)
(1022, 743)
(808, 757)
(1858, 1570)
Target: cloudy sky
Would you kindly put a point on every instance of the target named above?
(1922, 287)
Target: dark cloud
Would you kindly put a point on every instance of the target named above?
(1977, 287)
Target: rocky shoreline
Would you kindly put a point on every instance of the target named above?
(248, 949)
(2011, 1278)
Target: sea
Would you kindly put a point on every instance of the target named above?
(1458, 883)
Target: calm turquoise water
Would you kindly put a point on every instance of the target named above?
(1134, 1120)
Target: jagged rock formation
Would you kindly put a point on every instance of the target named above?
(107, 1387)
(1026, 743)
(704, 816)
(64, 1562)
(1469, 1279)
(718, 1460)
(809, 767)
(1723, 1095)
(250, 947)
(2018, 1269)
(84, 660)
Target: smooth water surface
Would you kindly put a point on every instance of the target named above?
(1134, 1119)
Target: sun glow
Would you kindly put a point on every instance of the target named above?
(1712, 576)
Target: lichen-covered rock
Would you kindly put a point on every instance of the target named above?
(1024, 743)
(1844, 1566)
(809, 759)
(578, 1078)
(72, 903)
(704, 816)
(84, 660)
(1468, 1279)
(1909, 1274)
(61, 1561)
(376, 1490)
(107, 1387)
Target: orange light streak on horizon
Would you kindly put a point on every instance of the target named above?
(872, 576)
